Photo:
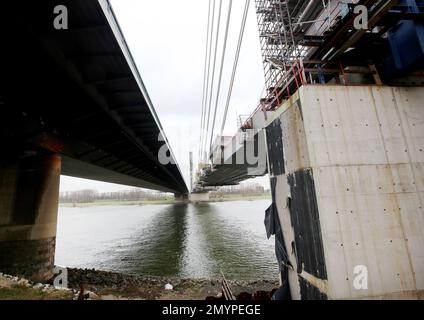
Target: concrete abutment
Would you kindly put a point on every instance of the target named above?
(181, 197)
(348, 184)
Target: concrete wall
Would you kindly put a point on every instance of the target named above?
(363, 148)
(259, 120)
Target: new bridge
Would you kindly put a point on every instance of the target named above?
(342, 122)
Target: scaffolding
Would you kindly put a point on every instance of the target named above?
(297, 38)
(278, 46)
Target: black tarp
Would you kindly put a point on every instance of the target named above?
(306, 224)
(274, 138)
(273, 227)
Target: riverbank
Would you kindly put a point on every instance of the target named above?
(224, 198)
(101, 285)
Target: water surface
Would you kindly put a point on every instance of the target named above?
(183, 240)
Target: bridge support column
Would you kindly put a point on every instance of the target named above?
(181, 197)
(199, 197)
(29, 195)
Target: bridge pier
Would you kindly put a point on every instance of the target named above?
(181, 197)
(29, 195)
(347, 176)
(199, 197)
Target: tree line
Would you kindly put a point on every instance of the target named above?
(90, 196)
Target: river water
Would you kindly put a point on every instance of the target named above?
(183, 240)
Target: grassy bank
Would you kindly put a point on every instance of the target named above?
(164, 201)
(13, 288)
(19, 292)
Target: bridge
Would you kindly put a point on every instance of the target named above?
(340, 131)
(320, 46)
(234, 159)
(342, 122)
(72, 102)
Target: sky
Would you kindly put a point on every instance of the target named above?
(168, 42)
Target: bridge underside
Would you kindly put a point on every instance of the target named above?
(240, 159)
(77, 93)
(229, 175)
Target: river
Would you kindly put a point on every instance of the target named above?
(181, 240)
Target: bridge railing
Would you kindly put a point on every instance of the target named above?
(304, 72)
(288, 83)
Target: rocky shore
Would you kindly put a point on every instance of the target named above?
(101, 285)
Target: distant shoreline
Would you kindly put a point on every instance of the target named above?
(100, 203)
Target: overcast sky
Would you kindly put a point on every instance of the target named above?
(167, 39)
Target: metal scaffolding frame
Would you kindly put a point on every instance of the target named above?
(317, 42)
(304, 42)
(276, 37)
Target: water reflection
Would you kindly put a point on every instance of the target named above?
(160, 247)
(172, 240)
(232, 246)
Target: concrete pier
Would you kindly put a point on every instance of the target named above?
(199, 197)
(29, 191)
(348, 183)
(180, 197)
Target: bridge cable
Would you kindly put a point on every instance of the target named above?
(204, 133)
(213, 73)
(236, 59)
(202, 121)
(224, 49)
